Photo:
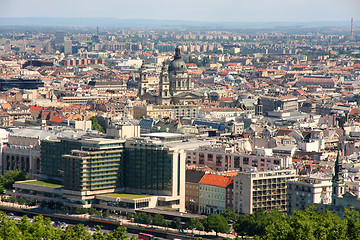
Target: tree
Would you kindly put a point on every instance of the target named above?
(216, 223)
(229, 215)
(352, 222)
(129, 216)
(175, 223)
(7, 180)
(96, 125)
(21, 201)
(159, 220)
(255, 224)
(91, 211)
(120, 233)
(106, 213)
(194, 223)
(143, 218)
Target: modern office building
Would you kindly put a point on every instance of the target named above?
(150, 167)
(21, 83)
(102, 172)
(96, 168)
(68, 47)
(59, 37)
(52, 150)
(261, 190)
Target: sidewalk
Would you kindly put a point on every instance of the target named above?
(195, 232)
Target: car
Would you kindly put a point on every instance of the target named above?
(10, 214)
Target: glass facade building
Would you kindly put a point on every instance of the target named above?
(148, 166)
(97, 166)
(52, 162)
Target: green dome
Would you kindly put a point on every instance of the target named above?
(177, 64)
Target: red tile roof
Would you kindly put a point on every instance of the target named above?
(35, 108)
(57, 119)
(216, 180)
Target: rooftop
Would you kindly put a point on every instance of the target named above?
(125, 195)
(42, 183)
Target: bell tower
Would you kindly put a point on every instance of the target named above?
(143, 81)
(164, 86)
(338, 182)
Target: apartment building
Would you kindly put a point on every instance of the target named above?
(308, 190)
(163, 111)
(222, 158)
(265, 190)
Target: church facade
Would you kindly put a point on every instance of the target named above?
(175, 85)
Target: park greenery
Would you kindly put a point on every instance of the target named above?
(311, 223)
(96, 125)
(7, 180)
(42, 228)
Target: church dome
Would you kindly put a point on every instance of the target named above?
(229, 77)
(177, 64)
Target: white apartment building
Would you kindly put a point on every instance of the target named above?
(261, 190)
(308, 190)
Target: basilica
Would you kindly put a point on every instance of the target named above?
(175, 86)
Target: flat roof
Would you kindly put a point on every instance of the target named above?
(125, 195)
(42, 183)
(162, 134)
(191, 143)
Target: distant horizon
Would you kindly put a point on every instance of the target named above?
(131, 22)
(188, 10)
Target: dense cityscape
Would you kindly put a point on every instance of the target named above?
(180, 132)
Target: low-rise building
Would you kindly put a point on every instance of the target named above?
(192, 180)
(215, 193)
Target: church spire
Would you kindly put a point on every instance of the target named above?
(338, 183)
(338, 176)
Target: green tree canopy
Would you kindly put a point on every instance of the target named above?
(216, 223)
(229, 215)
(175, 223)
(255, 224)
(194, 223)
(96, 125)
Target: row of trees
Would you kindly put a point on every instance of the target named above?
(19, 200)
(311, 223)
(41, 228)
(213, 222)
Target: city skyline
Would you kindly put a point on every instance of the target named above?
(204, 11)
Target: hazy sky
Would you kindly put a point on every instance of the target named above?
(200, 10)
